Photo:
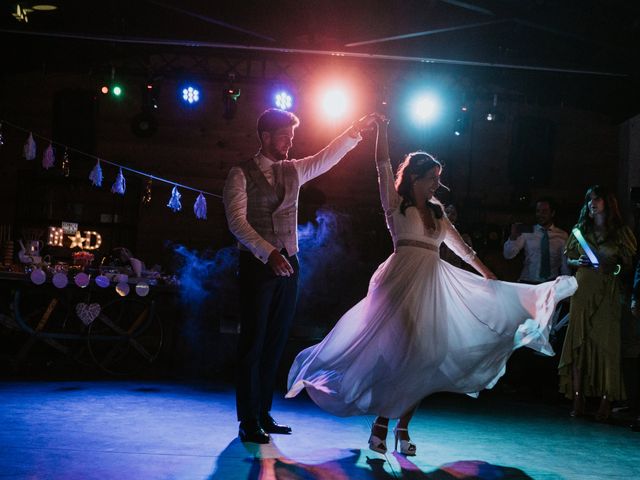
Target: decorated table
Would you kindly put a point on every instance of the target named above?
(110, 321)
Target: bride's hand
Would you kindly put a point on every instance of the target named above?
(489, 275)
(368, 121)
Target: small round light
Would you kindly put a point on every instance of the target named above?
(117, 91)
(104, 89)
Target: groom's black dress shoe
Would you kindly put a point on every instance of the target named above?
(270, 426)
(251, 431)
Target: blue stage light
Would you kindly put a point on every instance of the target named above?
(283, 100)
(190, 95)
(425, 108)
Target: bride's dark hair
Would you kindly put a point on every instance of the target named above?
(418, 164)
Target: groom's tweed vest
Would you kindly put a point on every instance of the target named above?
(273, 210)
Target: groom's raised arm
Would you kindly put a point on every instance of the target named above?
(310, 167)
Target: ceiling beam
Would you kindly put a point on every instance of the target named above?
(299, 51)
(433, 31)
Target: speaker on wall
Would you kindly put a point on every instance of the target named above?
(74, 119)
(532, 151)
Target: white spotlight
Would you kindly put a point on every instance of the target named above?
(335, 103)
(425, 108)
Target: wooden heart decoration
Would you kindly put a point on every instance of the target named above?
(88, 312)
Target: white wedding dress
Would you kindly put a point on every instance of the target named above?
(425, 326)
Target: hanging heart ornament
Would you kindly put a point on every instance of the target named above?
(88, 312)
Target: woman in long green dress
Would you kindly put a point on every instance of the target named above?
(590, 361)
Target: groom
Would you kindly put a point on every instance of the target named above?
(261, 204)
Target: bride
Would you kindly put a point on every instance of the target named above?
(425, 326)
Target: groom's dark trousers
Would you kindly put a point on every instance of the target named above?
(268, 304)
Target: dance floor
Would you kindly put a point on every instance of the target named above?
(151, 430)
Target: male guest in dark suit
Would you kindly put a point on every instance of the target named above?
(261, 205)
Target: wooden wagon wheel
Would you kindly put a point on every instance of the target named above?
(126, 336)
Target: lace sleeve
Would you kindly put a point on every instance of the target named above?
(388, 195)
(455, 242)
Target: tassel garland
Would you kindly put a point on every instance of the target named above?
(120, 185)
(48, 157)
(174, 203)
(29, 149)
(200, 207)
(96, 175)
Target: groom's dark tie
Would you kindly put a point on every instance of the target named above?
(545, 263)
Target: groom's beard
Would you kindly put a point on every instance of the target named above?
(278, 154)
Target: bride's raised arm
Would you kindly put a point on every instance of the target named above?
(388, 195)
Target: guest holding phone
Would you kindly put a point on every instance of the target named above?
(543, 246)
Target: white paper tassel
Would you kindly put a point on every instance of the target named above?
(48, 158)
(120, 185)
(174, 203)
(200, 207)
(96, 175)
(30, 148)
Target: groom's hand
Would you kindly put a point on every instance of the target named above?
(279, 264)
(366, 123)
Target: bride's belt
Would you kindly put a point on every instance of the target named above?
(416, 243)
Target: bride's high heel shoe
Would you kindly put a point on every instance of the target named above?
(407, 447)
(376, 443)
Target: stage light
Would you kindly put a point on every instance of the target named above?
(283, 100)
(425, 108)
(190, 95)
(117, 90)
(462, 122)
(230, 97)
(494, 114)
(335, 103)
(104, 90)
(149, 98)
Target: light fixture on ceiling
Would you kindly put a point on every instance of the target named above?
(21, 13)
(494, 115)
(44, 7)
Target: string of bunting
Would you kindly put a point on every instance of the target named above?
(96, 176)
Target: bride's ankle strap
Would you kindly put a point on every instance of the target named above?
(380, 425)
(398, 429)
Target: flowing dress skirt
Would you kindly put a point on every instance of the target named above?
(425, 326)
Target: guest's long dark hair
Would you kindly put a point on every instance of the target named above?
(418, 164)
(613, 218)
